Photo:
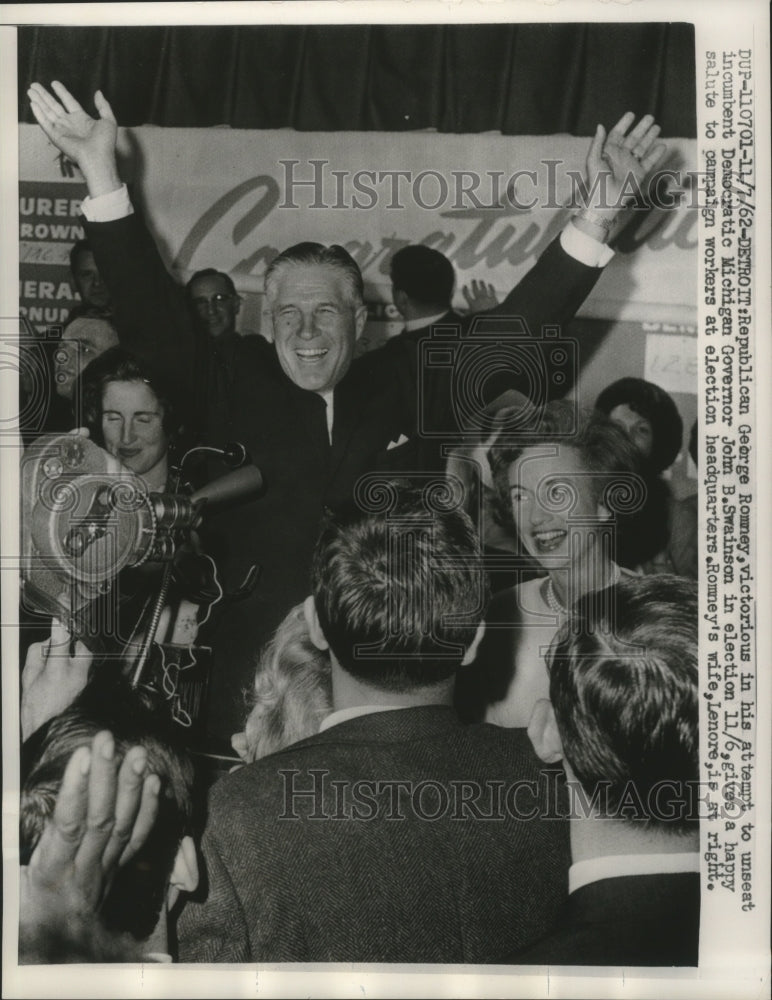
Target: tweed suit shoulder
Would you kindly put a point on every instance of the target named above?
(396, 837)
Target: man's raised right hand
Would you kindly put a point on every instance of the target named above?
(89, 142)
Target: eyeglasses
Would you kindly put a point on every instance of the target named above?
(203, 302)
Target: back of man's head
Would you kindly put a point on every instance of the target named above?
(139, 889)
(623, 687)
(425, 275)
(399, 591)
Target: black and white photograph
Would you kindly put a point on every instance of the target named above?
(383, 447)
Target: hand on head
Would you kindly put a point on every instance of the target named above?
(103, 815)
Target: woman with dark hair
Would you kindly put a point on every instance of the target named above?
(131, 412)
(651, 420)
(648, 415)
(567, 492)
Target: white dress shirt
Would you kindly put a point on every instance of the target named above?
(344, 714)
(616, 865)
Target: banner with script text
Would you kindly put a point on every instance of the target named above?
(232, 199)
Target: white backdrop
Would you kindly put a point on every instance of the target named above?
(232, 198)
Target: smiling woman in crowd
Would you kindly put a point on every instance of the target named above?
(130, 412)
(562, 491)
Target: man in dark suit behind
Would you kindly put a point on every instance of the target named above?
(422, 281)
(623, 716)
(395, 834)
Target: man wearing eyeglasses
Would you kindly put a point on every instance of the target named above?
(214, 302)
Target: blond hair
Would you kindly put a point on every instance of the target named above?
(292, 690)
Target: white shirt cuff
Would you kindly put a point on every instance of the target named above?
(109, 207)
(583, 248)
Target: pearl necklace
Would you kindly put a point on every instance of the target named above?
(552, 598)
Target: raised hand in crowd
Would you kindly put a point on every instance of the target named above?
(103, 815)
(480, 296)
(89, 142)
(617, 165)
(54, 674)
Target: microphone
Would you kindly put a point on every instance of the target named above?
(234, 487)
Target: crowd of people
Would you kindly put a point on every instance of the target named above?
(459, 698)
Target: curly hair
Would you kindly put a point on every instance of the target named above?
(292, 690)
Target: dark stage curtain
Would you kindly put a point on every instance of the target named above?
(516, 79)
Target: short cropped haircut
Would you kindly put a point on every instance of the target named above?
(624, 688)
(138, 891)
(78, 248)
(118, 365)
(317, 253)
(408, 586)
(649, 401)
(602, 445)
(211, 272)
(424, 275)
(292, 690)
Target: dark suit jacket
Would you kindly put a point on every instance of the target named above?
(634, 920)
(396, 391)
(354, 872)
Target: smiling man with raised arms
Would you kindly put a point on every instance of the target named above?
(313, 417)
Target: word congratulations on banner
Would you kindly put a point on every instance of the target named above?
(233, 199)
